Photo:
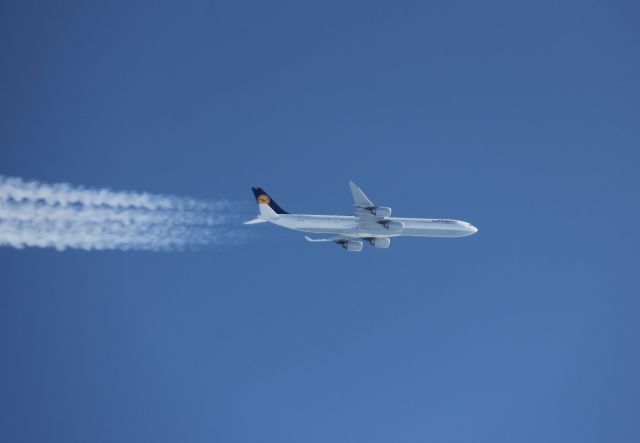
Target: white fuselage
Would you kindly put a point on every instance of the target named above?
(351, 226)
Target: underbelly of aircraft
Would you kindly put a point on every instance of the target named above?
(431, 232)
(410, 232)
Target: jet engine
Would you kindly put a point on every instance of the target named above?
(353, 245)
(392, 226)
(382, 242)
(380, 211)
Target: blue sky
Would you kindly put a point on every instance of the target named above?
(520, 118)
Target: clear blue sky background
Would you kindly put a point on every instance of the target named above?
(522, 118)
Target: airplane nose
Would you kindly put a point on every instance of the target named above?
(472, 229)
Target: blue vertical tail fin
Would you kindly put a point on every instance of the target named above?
(264, 199)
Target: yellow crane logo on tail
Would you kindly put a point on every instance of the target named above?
(264, 199)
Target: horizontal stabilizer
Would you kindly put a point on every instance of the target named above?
(255, 220)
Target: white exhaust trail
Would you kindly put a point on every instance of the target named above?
(61, 216)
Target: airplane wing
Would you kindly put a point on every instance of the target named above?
(336, 239)
(350, 244)
(365, 209)
(361, 200)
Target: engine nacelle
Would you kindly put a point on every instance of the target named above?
(353, 245)
(382, 242)
(381, 211)
(394, 227)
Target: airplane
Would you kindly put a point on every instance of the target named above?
(372, 224)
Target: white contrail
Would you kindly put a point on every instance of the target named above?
(64, 216)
